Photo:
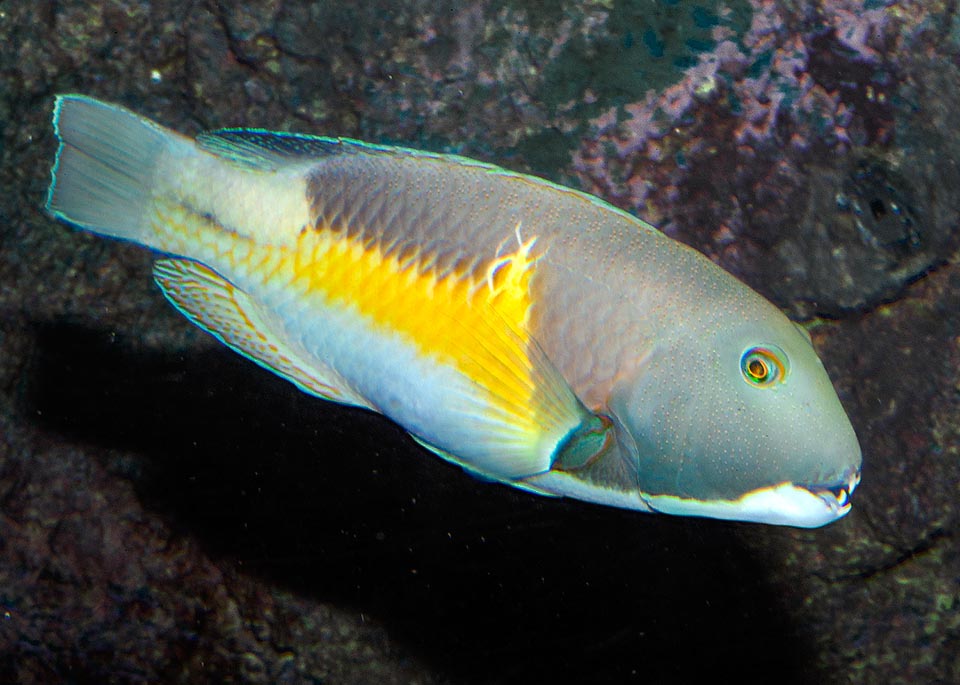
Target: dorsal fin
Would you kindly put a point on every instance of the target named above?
(268, 150)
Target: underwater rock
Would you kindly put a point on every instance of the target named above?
(858, 240)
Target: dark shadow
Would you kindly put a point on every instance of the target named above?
(487, 584)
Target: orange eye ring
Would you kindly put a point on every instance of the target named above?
(763, 366)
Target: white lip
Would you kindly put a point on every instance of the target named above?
(786, 504)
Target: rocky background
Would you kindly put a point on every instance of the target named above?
(172, 513)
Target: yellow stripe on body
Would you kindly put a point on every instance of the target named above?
(475, 319)
(472, 318)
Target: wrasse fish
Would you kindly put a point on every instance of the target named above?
(532, 334)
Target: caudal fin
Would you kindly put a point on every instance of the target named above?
(105, 165)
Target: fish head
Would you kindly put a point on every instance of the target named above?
(734, 417)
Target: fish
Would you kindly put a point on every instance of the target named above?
(532, 334)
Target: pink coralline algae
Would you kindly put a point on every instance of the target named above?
(859, 31)
(806, 85)
(785, 89)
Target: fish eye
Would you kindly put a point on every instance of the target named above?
(763, 366)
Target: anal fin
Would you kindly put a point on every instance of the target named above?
(214, 304)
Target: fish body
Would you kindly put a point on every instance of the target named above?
(530, 333)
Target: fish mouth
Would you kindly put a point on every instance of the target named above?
(837, 497)
(784, 504)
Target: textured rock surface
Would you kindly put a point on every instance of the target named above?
(171, 513)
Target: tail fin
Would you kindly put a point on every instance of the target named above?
(104, 168)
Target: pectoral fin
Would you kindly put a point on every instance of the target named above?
(584, 444)
(482, 475)
(579, 451)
